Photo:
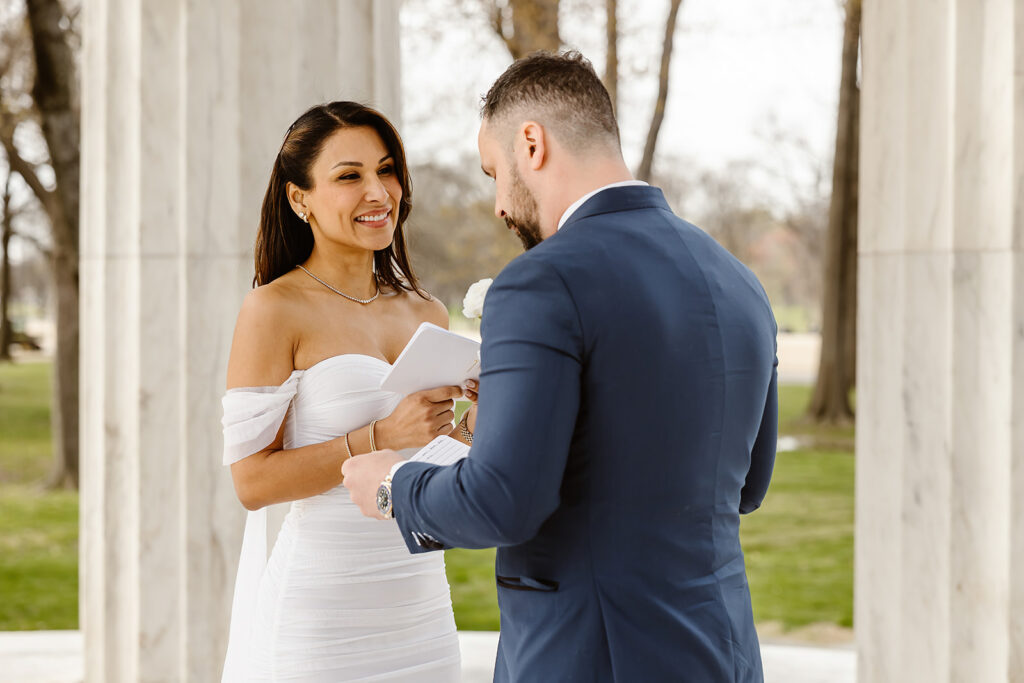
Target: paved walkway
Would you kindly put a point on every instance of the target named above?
(56, 657)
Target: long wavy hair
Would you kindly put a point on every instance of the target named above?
(283, 241)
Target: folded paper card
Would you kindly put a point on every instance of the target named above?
(434, 357)
(443, 450)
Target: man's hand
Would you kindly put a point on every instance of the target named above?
(363, 476)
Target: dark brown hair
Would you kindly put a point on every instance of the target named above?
(283, 240)
(561, 88)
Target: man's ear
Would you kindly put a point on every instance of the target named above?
(533, 141)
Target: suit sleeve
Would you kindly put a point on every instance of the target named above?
(762, 456)
(529, 398)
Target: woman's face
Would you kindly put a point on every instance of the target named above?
(356, 192)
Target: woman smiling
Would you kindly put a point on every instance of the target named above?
(336, 301)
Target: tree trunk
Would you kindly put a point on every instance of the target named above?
(836, 368)
(65, 372)
(55, 95)
(850, 252)
(644, 171)
(6, 333)
(611, 60)
(534, 27)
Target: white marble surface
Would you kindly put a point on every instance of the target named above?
(185, 105)
(883, 124)
(939, 555)
(983, 124)
(927, 100)
(879, 479)
(924, 511)
(1016, 480)
(980, 502)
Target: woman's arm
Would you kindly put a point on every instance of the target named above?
(262, 354)
(276, 475)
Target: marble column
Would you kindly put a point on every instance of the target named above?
(185, 103)
(940, 387)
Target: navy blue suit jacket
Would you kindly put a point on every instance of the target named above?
(627, 417)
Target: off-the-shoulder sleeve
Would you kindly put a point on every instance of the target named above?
(253, 416)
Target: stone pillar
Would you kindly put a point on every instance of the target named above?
(940, 387)
(185, 103)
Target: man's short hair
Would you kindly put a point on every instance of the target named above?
(561, 92)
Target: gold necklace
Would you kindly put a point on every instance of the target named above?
(338, 291)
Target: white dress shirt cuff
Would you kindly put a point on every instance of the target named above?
(394, 468)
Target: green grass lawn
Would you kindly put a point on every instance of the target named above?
(24, 422)
(799, 545)
(38, 559)
(38, 529)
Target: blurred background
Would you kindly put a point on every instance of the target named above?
(744, 112)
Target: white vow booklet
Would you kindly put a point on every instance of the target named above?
(434, 357)
(443, 450)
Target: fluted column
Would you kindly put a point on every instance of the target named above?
(940, 387)
(185, 103)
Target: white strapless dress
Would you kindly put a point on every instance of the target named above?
(340, 597)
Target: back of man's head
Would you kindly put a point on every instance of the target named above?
(561, 92)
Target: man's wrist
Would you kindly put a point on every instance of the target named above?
(389, 483)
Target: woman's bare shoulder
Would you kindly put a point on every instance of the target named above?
(270, 308)
(429, 309)
(262, 351)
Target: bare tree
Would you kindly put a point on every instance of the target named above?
(611, 55)
(647, 161)
(6, 233)
(526, 25)
(55, 108)
(837, 365)
(55, 94)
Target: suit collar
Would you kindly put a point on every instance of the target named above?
(614, 199)
(582, 200)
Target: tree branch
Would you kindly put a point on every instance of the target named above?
(40, 246)
(644, 172)
(27, 171)
(498, 24)
(611, 59)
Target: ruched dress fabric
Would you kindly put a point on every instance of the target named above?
(340, 597)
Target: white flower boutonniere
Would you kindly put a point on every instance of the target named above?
(473, 303)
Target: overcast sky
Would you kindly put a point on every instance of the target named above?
(743, 72)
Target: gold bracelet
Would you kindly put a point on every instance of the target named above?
(373, 445)
(347, 447)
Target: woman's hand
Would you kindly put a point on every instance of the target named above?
(471, 390)
(418, 419)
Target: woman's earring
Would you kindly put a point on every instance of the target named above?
(302, 216)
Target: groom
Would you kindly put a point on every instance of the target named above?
(627, 411)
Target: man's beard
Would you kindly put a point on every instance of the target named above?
(525, 222)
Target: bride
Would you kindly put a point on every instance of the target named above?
(340, 598)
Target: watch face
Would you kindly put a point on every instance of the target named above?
(384, 499)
